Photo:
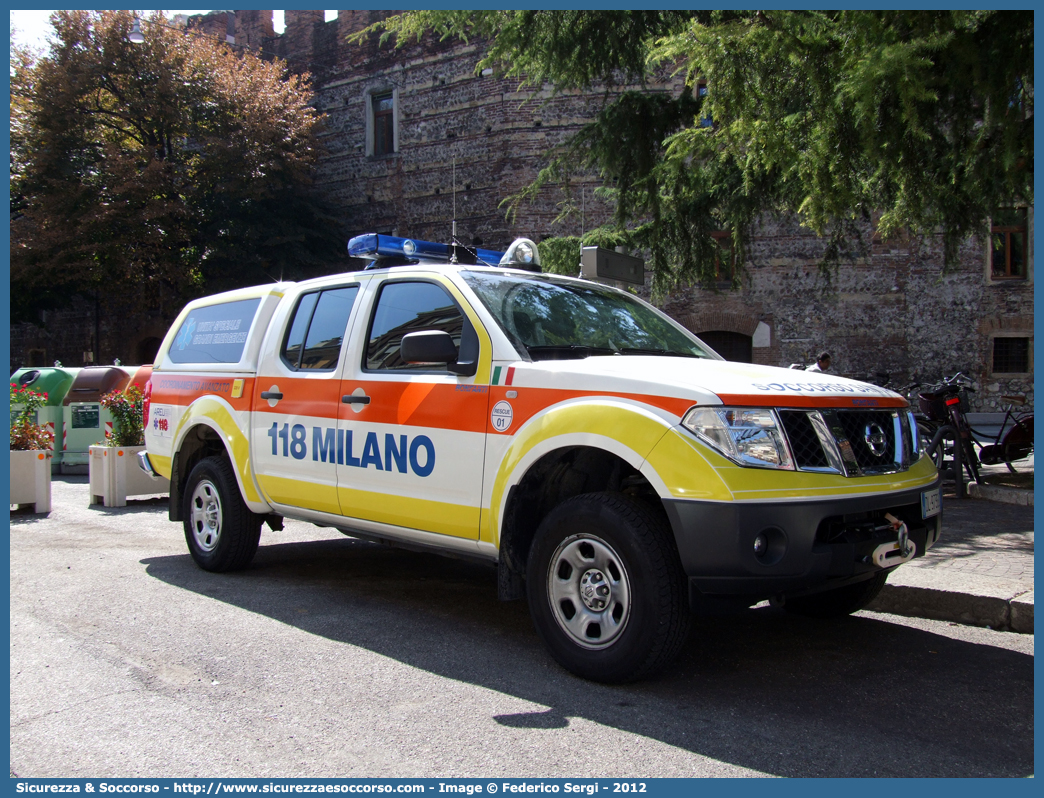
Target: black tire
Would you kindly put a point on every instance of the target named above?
(632, 584)
(221, 532)
(838, 602)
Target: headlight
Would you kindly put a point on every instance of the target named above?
(747, 436)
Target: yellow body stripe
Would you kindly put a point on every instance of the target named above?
(209, 408)
(634, 430)
(694, 471)
(445, 519)
(689, 471)
(162, 464)
(312, 495)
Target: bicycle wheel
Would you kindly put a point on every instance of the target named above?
(925, 435)
(1018, 443)
(958, 465)
(970, 460)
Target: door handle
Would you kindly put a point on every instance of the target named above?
(349, 399)
(271, 395)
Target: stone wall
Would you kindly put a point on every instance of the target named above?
(894, 312)
(71, 335)
(465, 141)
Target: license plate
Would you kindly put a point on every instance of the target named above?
(931, 502)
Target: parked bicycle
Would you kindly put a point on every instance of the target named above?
(944, 431)
(950, 440)
(1013, 442)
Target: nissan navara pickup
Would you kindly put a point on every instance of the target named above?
(615, 469)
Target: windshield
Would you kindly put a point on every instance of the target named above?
(554, 319)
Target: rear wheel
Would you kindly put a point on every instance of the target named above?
(221, 531)
(971, 460)
(606, 588)
(838, 602)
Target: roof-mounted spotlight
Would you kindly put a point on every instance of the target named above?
(136, 36)
(522, 254)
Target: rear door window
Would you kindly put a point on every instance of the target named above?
(317, 329)
(215, 333)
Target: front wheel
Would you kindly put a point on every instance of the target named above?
(838, 602)
(606, 588)
(221, 531)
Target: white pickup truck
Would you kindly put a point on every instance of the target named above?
(617, 471)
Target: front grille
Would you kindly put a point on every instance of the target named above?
(872, 436)
(804, 443)
(860, 441)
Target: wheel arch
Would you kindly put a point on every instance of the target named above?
(209, 428)
(578, 446)
(569, 470)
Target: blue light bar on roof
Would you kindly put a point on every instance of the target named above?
(394, 250)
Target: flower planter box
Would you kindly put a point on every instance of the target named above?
(115, 475)
(31, 479)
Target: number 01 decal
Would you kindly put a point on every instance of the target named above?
(501, 416)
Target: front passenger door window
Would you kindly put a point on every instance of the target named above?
(408, 307)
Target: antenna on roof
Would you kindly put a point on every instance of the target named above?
(453, 232)
(583, 203)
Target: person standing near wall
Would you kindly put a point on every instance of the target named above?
(822, 362)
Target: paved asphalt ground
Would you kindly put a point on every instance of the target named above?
(333, 657)
(981, 571)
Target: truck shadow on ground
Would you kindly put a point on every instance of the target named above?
(765, 690)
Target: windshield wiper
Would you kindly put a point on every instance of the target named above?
(566, 352)
(664, 352)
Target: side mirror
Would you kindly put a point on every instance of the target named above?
(431, 346)
(436, 346)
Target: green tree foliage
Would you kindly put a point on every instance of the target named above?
(914, 121)
(172, 167)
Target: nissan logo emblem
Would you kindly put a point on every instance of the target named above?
(875, 439)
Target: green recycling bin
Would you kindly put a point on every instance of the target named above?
(55, 382)
(85, 420)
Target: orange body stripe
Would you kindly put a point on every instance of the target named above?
(531, 401)
(320, 398)
(783, 400)
(183, 389)
(447, 406)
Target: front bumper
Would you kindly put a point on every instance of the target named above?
(811, 545)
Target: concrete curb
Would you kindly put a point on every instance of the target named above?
(1004, 614)
(1000, 493)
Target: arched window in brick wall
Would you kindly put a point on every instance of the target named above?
(147, 349)
(730, 345)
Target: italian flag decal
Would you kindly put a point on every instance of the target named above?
(508, 377)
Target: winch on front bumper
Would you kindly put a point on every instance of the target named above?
(741, 553)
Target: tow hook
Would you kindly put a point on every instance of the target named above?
(902, 550)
